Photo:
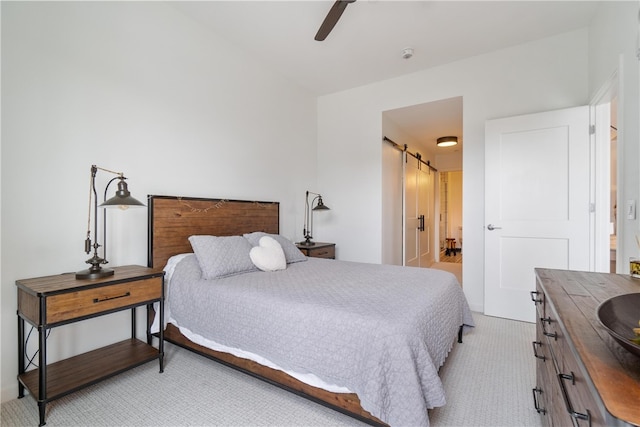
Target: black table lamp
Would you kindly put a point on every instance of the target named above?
(308, 217)
(123, 200)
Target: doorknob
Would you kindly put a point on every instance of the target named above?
(492, 227)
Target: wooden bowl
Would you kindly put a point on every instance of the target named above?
(619, 315)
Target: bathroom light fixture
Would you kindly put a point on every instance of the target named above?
(447, 141)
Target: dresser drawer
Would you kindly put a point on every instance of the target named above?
(538, 297)
(554, 337)
(542, 391)
(72, 305)
(578, 399)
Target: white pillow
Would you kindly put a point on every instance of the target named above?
(268, 255)
(291, 251)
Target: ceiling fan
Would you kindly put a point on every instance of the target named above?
(332, 18)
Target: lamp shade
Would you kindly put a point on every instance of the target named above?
(122, 198)
(447, 141)
(321, 206)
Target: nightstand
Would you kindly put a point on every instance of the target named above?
(48, 302)
(319, 250)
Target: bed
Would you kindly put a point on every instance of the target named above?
(364, 339)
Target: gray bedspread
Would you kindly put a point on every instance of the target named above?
(381, 331)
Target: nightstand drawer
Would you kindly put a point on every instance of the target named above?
(327, 252)
(318, 250)
(73, 305)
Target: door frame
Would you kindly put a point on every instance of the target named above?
(600, 146)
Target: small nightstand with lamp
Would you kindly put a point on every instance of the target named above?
(48, 302)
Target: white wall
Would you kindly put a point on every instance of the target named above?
(133, 87)
(543, 75)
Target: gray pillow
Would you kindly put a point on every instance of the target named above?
(291, 252)
(222, 256)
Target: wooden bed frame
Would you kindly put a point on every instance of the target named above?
(172, 220)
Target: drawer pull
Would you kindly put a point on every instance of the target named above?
(536, 404)
(533, 297)
(535, 352)
(323, 253)
(97, 300)
(553, 335)
(567, 403)
(546, 320)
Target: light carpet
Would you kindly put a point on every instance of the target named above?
(451, 267)
(488, 381)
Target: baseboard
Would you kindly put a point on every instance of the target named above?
(477, 308)
(10, 392)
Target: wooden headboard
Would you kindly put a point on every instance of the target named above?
(172, 219)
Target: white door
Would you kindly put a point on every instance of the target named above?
(536, 206)
(418, 213)
(411, 215)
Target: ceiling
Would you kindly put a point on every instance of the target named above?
(367, 43)
(428, 122)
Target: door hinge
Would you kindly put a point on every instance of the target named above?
(592, 207)
(592, 130)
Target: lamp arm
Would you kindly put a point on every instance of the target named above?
(95, 260)
(92, 189)
(311, 215)
(121, 174)
(306, 215)
(104, 217)
(95, 211)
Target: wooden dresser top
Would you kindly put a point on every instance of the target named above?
(614, 371)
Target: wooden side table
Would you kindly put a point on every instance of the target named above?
(319, 250)
(48, 302)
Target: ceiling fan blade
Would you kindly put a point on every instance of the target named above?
(332, 18)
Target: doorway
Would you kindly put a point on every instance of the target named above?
(613, 186)
(605, 181)
(416, 128)
(451, 217)
(610, 141)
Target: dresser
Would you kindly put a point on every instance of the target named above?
(52, 301)
(318, 250)
(583, 377)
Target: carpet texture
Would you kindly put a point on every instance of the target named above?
(451, 267)
(488, 381)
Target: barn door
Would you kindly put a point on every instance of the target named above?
(418, 213)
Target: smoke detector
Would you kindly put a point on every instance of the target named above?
(407, 52)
